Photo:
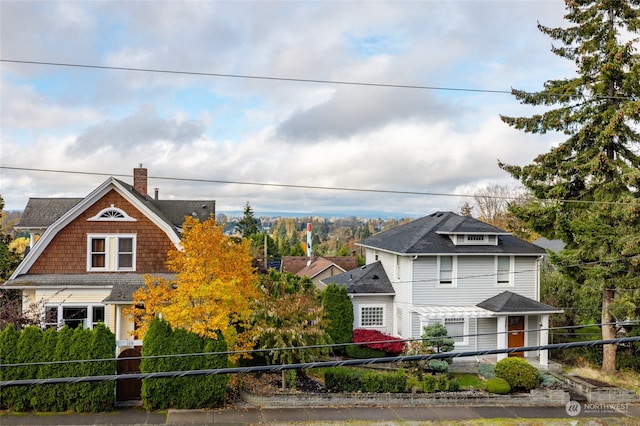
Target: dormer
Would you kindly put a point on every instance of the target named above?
(473, 238)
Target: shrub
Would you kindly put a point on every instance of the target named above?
(518, 373)
(429, 383)
(388, 344)
(437, 366)
(487, 371)
(363, 352)
(345, 379)
(498, 386)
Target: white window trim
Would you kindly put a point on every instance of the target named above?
(60, 307)
(384, 315)
(104, 215)
(511, 282)
(111, 252)
(430, 321)
(454, 272)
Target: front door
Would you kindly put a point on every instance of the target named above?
(516, 334)
(128, 389)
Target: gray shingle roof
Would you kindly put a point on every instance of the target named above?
(368, 279)
(79, 280)
(42, 212)
(426, 236)
(512, 302)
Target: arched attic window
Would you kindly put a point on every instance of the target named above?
(112, 214)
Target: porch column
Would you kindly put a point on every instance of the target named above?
(502, 335)
(118, 322)
(544, 339)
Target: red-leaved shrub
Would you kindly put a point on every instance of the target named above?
(378, 340)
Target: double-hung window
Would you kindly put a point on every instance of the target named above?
(503, 271)
(446, 271)
(111, 252)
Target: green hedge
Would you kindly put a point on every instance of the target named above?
(363, 352)
(33, 346)
(187, 392)
(345, 379)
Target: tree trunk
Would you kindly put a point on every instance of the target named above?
(608, 332)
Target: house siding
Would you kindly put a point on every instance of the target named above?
(387, 301)
(67, 251)
(476, 280)
(486, 328)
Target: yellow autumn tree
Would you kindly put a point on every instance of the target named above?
(214, 288)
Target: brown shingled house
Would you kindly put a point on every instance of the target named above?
(93, 253)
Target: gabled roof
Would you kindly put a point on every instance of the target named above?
(296, 263)
(508, 302)
(368, 279)
(430, 235)
(42, 212)
(167, 222)
(317, 266)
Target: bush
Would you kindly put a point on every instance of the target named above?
(429, 383)
(363, 352)
(498, 386)
(345, 379)
(181, 392)
(388, 344)
(518, 373)
(487, 371)
(437, 366)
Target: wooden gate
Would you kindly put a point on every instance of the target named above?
(128, 389)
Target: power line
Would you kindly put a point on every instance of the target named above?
(309, 365)
(300, 348)
(257, 77)
(312, 187)
(305, 80)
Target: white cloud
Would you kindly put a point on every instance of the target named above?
(247, 130)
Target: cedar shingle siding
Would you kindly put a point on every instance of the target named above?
(67, 252)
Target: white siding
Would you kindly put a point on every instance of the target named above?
(387, 301)
(476, 281)
(487, 338)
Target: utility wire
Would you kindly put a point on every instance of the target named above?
(308, 365)
(304, 80)
(256, 77)
(313, 187)
(300, 348)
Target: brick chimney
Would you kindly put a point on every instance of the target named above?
(140, 180)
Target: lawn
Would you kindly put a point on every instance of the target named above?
(469, 381)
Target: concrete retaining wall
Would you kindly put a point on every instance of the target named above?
(596, 394)
(537, 397)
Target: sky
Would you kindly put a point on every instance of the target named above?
(286, 105)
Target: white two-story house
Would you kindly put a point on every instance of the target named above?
(480, 282)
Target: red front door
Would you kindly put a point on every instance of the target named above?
(516, 334)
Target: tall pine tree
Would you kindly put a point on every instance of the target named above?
(248, 225)
(587, 188)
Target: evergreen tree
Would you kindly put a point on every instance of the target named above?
(587, 186)
(339, 312)
(248, 225)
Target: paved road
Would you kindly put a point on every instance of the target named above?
(249, 415)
